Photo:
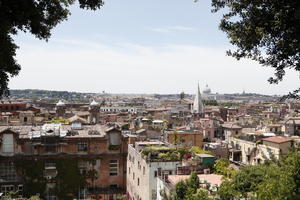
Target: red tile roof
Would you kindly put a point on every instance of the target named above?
(213, 179)
(277, 139)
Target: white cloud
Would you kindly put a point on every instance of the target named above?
(170, 29)
(78, 65)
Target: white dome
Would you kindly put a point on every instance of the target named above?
(94, 103)
(60, 103)
(207, 90)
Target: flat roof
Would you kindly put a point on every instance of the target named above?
(204, 155)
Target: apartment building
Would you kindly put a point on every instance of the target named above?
(251, 150)
(144, 169)
(184, 138)
(57, 161)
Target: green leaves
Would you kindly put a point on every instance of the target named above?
(188, 190)
(266, 31)
(274, 180)
(222, 167)
(36, 17)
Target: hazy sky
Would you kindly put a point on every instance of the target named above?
(141, 46)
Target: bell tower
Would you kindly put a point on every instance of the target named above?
(60, 109)
(94, 112)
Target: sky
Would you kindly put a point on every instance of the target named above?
(141, 46)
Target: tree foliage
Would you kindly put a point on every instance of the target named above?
(38, 17)
(222, 167)
(187, 190)
(274, 180)
(266, 31)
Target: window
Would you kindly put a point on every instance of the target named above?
(8, 172)
(138, 181)
(83, 167)
(114, 139)
(50, 165)
(7, 189)
(133, 175)
(82, 146)
(129, 170)
(159, 171)
(113, 167)
(20, 190)
(76, 125)
(155, 173)
(8, 143)
(143, 170)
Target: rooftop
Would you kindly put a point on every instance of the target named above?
(213, 179)
(59, 130)
(277, 139)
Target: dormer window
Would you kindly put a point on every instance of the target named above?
(114, 139)
(76, 125)
(8, 143)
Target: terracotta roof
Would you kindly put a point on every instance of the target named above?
(76, 118)
(231, 126)
(277, 139)
(213, 179)
(82, 113)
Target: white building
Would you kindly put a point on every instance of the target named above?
(252, 151)
(142, 172)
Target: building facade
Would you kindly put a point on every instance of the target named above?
(63, 161)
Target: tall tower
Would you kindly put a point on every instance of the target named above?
(60, 108)
(198, 107)
(94, 112)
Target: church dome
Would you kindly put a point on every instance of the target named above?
(60, 103)
(94, 103)
(207, 90)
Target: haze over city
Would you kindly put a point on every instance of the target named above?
(140, 47)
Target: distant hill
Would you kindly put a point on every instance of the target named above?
(51, 95)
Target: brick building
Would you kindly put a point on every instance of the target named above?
(73, 161)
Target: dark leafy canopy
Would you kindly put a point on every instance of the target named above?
(267, 31)
(35, 16)
(273, 180)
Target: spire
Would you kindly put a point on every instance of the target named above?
(198, 104)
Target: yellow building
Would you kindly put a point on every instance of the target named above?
(185, 138)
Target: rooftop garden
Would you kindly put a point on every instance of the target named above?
(163, 153)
